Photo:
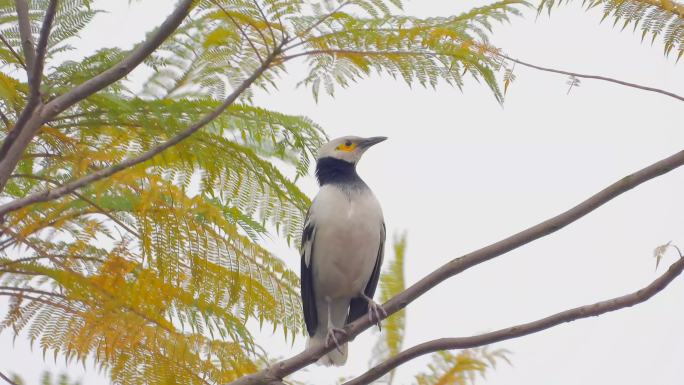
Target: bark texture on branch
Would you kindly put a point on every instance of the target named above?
(288, 366)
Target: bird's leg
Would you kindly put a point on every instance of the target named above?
(374, 311)
(331, 338)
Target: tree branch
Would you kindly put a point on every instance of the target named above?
(584, 76)
(25, 34)
(85, 199)
(24, 118)
(36, 75)
(39, 299)
(5, 120)
(34, 291)
(12, 51)
(36, 61)
(268, 24)
(243, 33)
(286, 367)
(577, 313)
(7, 379)
(35, 114)
(68, 188)
(124, 67)
(319, 21)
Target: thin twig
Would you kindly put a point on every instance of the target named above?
(83, 198)
(319, 21)
(7, 379)
(34, 291)
(597, 77)
(41, 300)
(242, 32)
(268, 24)
(286, 367)
(41, 155)
(48, 195)
(5, 120)
(55, 256)
(333, 52)
(12, 51)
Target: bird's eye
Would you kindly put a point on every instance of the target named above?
(347, 146)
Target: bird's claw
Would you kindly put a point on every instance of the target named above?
(331, 337)
(374, 311)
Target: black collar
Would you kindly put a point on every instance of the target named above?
(336, 171)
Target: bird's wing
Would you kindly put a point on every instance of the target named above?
(359, 306)
(306, 274)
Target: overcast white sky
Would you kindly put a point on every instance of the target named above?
(461, 171)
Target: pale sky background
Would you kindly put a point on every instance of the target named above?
(460, 172)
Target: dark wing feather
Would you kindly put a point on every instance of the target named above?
(359, 306)
(306, 276)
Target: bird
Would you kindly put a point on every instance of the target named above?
(342, 248)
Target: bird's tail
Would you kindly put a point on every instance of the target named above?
(334, 357)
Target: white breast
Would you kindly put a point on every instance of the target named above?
(348, 226)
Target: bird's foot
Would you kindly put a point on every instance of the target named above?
(375, 312)
(332, 338)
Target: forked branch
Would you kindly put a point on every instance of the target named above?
(124, 67)
(68, 188)
(286, 367)
(577, 313)
(35, 113)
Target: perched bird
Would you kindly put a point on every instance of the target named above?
(342, 247)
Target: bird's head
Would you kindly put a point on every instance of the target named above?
(348, 148)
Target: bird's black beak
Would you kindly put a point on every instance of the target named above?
(365, 143)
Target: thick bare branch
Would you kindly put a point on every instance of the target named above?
(15, 136)
(36, 75)
(124, 67)
(25, 34)
(577, 313)
(596, 77)
(458, 265)
(16, 141)
(68, 188)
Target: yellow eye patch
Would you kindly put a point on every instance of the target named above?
(348, 147)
